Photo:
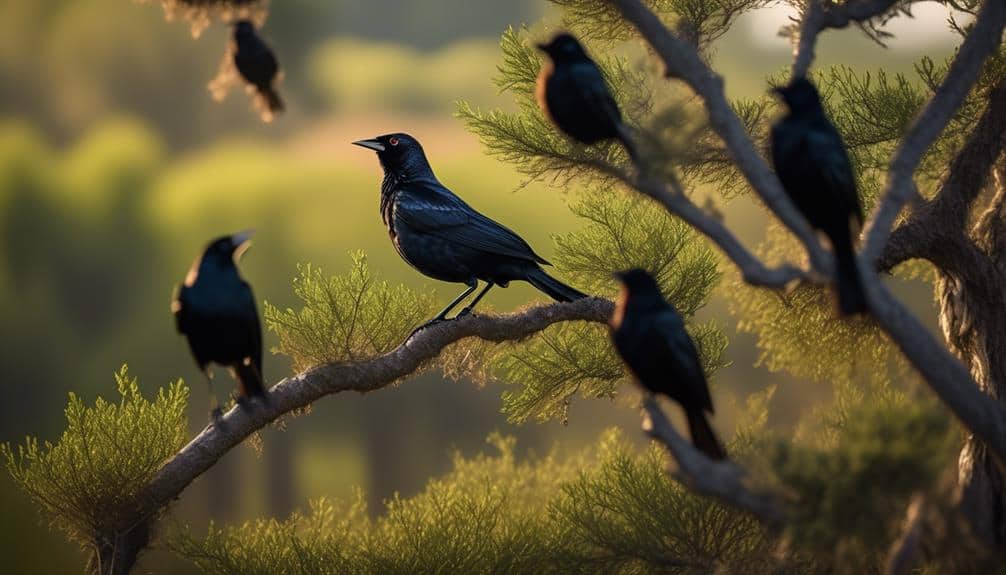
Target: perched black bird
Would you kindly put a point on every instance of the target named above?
(573, 94)
(650, 336)
(257, 64)
(814, 168)
(215, 309)
(440, 235)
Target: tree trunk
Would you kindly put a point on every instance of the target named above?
(117, 555)
(973, 320)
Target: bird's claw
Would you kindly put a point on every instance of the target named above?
(217, 418)
(465, 312)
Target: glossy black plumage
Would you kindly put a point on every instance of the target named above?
(649, 335)
(812, 163)
(573, 94)
(256, 63)
(215, 309)
(443, 237)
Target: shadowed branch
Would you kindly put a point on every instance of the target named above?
(722, 480)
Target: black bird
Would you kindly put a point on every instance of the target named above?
(650, 336)
(572, 92)
(814, 168)
(215, 309)
(257, 64)
(440, 235)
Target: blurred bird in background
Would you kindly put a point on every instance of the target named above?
(814, 168)
(442, 237)
(649, 335)
(258, 66)
(572, 92)
(215, 309)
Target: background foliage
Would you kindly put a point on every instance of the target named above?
(116, 166)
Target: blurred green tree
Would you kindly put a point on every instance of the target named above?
(830, 499)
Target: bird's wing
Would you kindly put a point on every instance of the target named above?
(596, 95)
(251, 325)
(433, 209)
(826, 151)
(671, 340)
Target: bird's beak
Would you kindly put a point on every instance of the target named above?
(375, 145)
(541, 46)
(241, 242)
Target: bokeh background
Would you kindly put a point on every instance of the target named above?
(116, 167)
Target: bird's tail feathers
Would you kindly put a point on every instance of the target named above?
(849, 288)
(703, 437)
(625, 136)
(553, 287)
(271, 99)
(249, 379)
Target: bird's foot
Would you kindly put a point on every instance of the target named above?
(250, 403)
(465, 312)
(217, 418)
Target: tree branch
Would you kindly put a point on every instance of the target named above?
(910, 240)
(904, 553)
(983, 40)
(721, 480)
(752, 269)
(944, 373)
(681, 60)
(301, 390)
(969, 172)
(819, 17)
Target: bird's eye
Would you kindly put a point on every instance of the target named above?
(393, 141)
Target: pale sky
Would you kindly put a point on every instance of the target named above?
(928, 27)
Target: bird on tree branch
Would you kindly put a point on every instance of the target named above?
(814, 168)
(443, 237)
(572, 92)
(650, 336)
(257, 64)
(215, 309)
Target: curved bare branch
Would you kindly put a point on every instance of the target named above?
(681, 60)
(721, 480)
(984, 38)
(301, 390)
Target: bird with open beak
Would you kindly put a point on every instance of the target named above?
(215, 310)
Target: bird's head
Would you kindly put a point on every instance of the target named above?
(639, 292)
(399, 153)
(229, 249)
(244, 28)
(563, 47)
(221, 255)
(799, 95)
(638, 282)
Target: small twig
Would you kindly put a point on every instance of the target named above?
(904, 553)
(819, 17)
(722, 480)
